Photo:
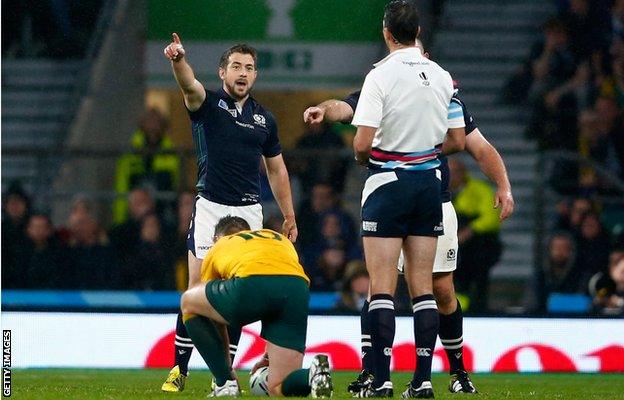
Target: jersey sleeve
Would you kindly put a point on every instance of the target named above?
(455, 114)
(203, 108)
(352, 99)
(369, 110)
(272, 146)
(469, 120)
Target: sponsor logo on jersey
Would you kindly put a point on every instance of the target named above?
(438, 228)
(249, 126)
(369, 226)
(425, 79)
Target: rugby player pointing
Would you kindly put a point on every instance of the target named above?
(232, 133)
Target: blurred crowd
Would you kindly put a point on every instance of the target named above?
(48, 28)
(573, 83)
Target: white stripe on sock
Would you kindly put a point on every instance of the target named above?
(421, 305)
(184, 344)
(376, 306)
(367, 344)
(425, 307)
(451, 341)
(366, 336)
(454, 347)
(183, 339)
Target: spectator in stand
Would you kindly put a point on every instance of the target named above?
(588, 25)
(550, 64)
(323, 200)
(151, 266)
(326, 274)
(186, 204)
(478, 227)
(319, 164)
(126, 236)
(593, 248)
(332, 236)
(354, 288)
(92, 260)
(559, 273)
(571, 216)
(607, 289)
(15, 214)
(151, 164)
(45, 263)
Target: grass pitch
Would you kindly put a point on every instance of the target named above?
(43, 384)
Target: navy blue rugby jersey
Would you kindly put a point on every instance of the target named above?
(229, 145)
(469, 121)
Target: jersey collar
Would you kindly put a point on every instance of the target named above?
(227, 97)
(408, 50)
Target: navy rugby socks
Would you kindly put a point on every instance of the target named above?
(426, 323)
(451, 335)
(183, 346)
(382, 328)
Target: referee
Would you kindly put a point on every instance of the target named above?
(403, 115)
(233, 133)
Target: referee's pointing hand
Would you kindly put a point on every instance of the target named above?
(175, 52)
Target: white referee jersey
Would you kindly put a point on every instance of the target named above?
(407, 97)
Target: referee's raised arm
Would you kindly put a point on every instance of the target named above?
(193, 91)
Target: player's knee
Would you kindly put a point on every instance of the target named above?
(186, 303)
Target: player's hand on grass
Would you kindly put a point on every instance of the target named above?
(175, 52)
(314, 115)
(503, 199)
(289, 228)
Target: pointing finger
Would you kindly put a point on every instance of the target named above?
(176, 38)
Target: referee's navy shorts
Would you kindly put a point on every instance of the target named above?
(402, 203)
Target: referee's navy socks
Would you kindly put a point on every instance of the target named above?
(451, 336)
(367, 348)
(382, 327)
(183, 346)
(426, 323)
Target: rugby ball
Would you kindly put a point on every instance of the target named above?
(258, 382)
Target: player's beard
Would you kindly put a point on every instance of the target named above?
(237, 93)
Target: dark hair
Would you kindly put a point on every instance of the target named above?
(402, 19)
(229, 225)
(239, 48)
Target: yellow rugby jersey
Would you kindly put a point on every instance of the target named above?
(247, 253)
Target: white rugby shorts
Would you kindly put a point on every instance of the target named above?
(446, 252)
(206, 214)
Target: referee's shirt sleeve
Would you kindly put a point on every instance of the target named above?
(272, 146)
(369, 109)
(455, 114)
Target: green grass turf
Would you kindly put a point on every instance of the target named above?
(145, 384)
